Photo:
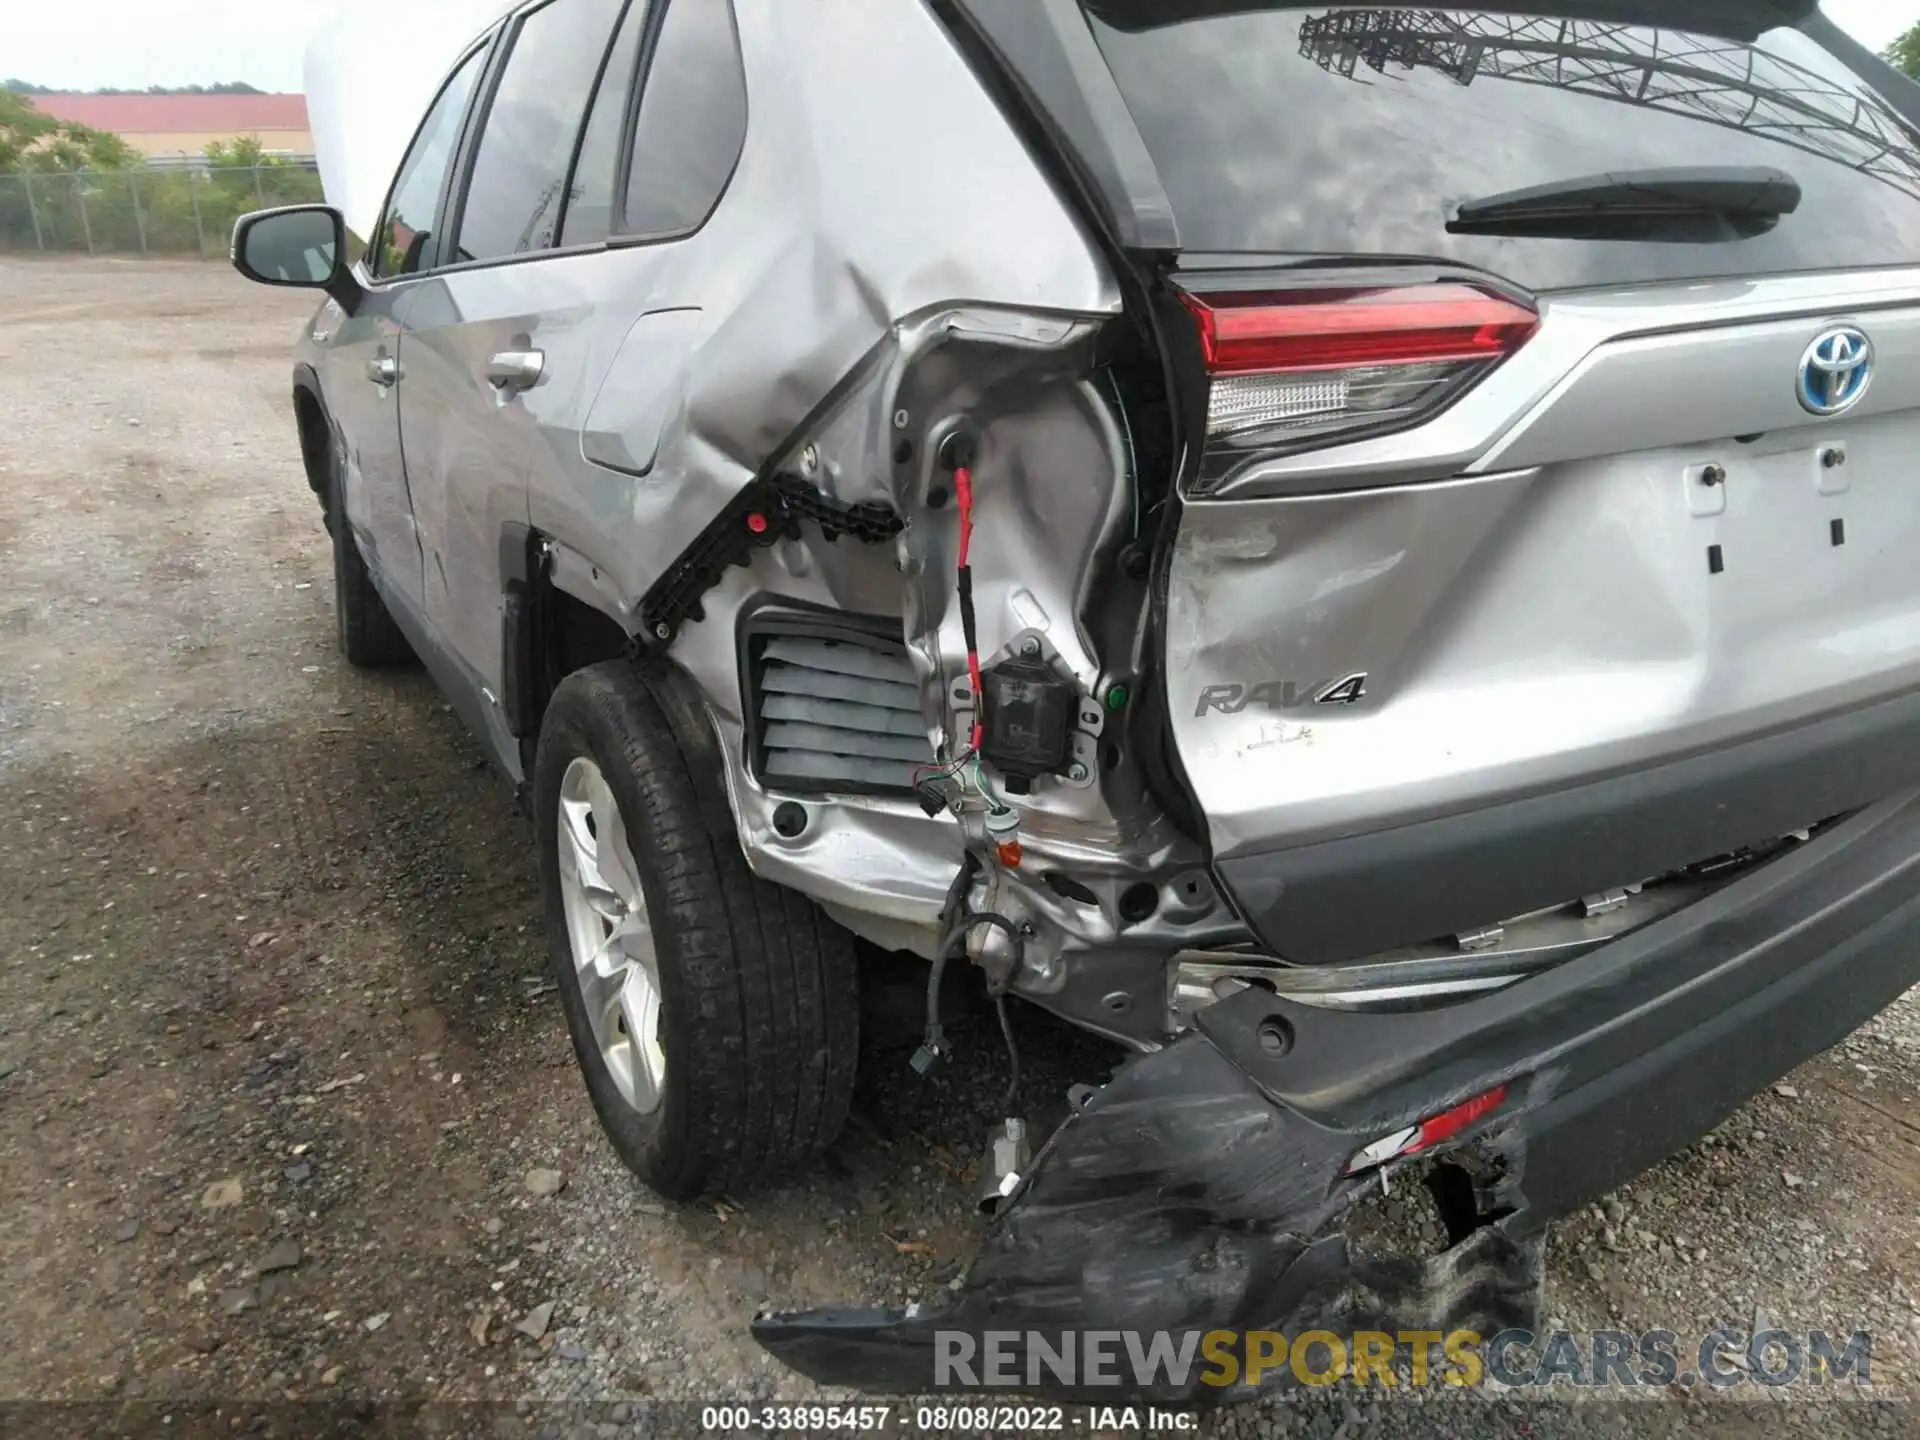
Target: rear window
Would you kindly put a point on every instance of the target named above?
(1356, 131)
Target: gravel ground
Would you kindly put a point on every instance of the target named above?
(278, 1061)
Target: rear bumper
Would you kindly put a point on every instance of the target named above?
(1203, 1187)
(1344, 899)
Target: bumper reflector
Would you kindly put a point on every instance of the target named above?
(1428, 1133)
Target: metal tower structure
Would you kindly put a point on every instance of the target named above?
(1723, 82)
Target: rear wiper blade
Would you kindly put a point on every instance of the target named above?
(1674, 203)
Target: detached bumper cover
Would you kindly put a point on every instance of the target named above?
(1339, 900)
(1202, 1188)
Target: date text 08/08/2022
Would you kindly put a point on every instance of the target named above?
(963, 1418)
(1723, 1360)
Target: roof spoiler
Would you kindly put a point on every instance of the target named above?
(1729, 19)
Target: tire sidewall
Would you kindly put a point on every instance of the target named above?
(344, 554)
(365, 630)
(652, 1144)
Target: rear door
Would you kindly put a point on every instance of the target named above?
(565, 302)
(1520, 566)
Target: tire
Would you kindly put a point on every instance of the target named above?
(758, 996)
(368, 636)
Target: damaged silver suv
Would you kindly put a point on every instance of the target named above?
(1364, 553)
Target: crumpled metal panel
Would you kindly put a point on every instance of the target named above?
(1552, 613)
(868, 196)
(888, 260)
(1052, 488)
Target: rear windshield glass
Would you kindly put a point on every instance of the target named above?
(1356, 131)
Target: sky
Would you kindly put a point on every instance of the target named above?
(86, 44)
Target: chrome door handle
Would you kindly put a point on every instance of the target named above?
(516, 369)
(383, 369)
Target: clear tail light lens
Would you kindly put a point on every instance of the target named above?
(1295, 367)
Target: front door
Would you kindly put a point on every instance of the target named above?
(358, 364)
(364, 372)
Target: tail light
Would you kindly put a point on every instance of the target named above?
(1291, 368)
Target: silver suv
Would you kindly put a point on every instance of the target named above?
(1366, 554)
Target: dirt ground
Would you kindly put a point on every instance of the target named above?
(277, 1053)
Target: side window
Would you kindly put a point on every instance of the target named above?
(693, 121)
(526, 147)
(589, 217)
(400, 243)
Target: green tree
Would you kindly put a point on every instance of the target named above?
(1904, 54)
(240, 177)
(21, 128)
(243, 150)
(80, 147)
(32, 140)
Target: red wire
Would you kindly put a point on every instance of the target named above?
(963, 493)
(963, 490)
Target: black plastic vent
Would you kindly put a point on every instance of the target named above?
(834, 709)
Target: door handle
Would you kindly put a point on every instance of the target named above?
(383, 369)
(516, 369)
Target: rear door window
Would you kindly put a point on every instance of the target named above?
(693, 121)
(589, 217)
(1347, 130)
(515, 191)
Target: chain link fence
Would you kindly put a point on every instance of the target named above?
(155, 210)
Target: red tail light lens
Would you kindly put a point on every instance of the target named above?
(1320, 329)
(1307, 365)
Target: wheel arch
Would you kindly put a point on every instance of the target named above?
(316, 431)
(555, 622)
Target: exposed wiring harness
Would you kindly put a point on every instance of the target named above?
(960, 922)
(965, 773)
(933, 1046)
(963, 588)
(929, 780)
(1013, 1052)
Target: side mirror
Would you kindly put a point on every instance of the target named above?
(299, 245)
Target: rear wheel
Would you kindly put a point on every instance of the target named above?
(715, 1016)
(368, 636)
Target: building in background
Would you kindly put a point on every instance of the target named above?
(180, 127)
